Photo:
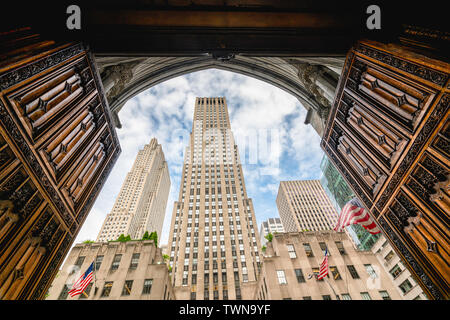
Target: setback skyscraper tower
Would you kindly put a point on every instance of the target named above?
(142, 200)
(304, 205)
(213, 236)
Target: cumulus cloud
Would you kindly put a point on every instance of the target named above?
(285, 147)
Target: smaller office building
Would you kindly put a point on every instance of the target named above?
(132, 270)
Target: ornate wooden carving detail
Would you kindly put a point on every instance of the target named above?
(423, 136)
(368, 172)
(57, 147)
(394, 95)
(437, 77)
(388, 135)
(383, 140)
(39, 104)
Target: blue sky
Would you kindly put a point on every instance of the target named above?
(285, 149)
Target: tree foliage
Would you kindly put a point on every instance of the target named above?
(152, 236)
(269, 237)
(122, 238)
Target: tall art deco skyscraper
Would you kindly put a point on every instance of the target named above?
(213, 237)
(142, 200)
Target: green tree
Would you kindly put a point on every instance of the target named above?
(122, 238)
(154, 236)
(269, 237)
(165, 257)
(263, 248)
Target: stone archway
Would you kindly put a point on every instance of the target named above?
(311, 80)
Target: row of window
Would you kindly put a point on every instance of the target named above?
(345, 296)
(309, 252)
(334, 272)
(106, 291)
(114, 265)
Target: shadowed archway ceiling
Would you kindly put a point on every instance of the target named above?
(311, 80)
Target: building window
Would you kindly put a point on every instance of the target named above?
(299, 275)
(64, 293)
(147, 288)
(291, 251)
(216, 295)
(323, 246)
(353, 272)
(238, 294)
(126, 291)
(77, 265)
(346, 296)
(385, 295)
(307, 298)
(371, 271)
(134, 261)
(395, 271)
(87, 290)
(107, 289)
(308, 250)
(405, 286)
(98, 262)
(365, 296)
(389, 256)
(225, 294)
(335, 273)
(326, 297)
(316, 274)
(281, 277)
(79, 261)
(340, 247)
(116, 262)
(193, 295)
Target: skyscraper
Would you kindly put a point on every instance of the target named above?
(213, 236)
(142, 200)
(304, 205)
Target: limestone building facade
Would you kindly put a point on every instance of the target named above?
(292, 260)
(132, 270)
(404, 282)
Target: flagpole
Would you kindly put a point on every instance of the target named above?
(326, 280)
(95, 272)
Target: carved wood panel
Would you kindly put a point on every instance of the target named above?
(388, 135)
(57, 147)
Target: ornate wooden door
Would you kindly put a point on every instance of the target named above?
(388, 134)
(57, 147)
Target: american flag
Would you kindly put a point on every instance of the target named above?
(81, 284)
(354, 213)
(323, 270)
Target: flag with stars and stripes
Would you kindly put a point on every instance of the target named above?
(354, 213)
(323, 270)
(81, 284)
